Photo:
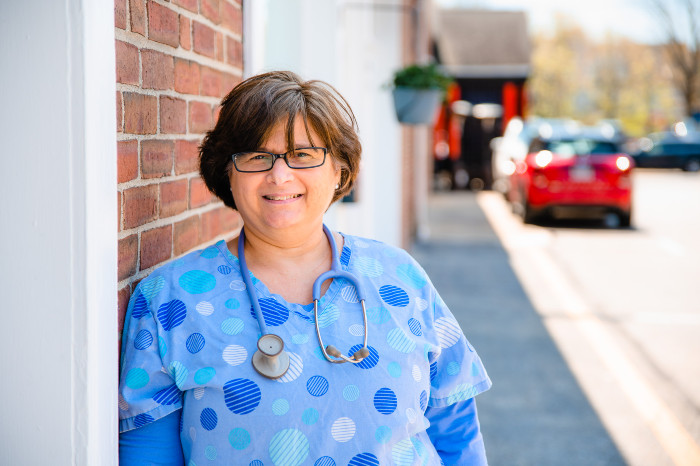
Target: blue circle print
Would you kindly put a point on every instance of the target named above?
(415, 327)
(382, 434)
(210, 252)
(256, 463)
(317, 385)
(195, 343)
(394, 296)
(370, 361)
(289, 447)
(142, 419)
(167, 396)
(385, 400)
(351, 392)
(310, 416)
(224, 269)
(197, 281)
(137, 378)
(143, 340)
(232, 303)
(433, 371)
(273, 312)
(210, 452)
(172, 314)
(242, 396)
(423, 400)
(140, 308)
(394, 369)
(204, 375)
(325, 461)
(364, 459)
(239, 438)
(411, 276)
(208, 419)
(345, 255)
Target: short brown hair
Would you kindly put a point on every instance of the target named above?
(256, 105)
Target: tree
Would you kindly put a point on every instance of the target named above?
(680, 23)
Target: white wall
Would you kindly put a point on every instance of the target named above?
(356, 49)
(58, 240)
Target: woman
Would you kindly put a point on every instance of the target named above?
(197, 384)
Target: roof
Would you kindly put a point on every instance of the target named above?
(474, 43)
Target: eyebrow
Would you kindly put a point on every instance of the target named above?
(296, 146)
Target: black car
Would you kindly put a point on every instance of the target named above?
(669, 153)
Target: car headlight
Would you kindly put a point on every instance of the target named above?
(623, 163)
(543, 158)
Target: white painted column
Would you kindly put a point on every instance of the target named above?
(58, 242)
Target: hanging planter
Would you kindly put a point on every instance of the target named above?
(418, 92)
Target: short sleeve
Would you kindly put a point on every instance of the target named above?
(456, 371)
(147, 392)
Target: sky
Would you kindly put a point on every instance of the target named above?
(625, 18)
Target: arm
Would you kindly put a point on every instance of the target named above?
(454, 431)
(155, 443)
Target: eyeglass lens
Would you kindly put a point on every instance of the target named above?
(306, 157)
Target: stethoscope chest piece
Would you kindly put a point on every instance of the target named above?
(270, 360)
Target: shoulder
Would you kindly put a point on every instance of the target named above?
(359, 252)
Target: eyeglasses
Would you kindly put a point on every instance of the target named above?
(300, 158)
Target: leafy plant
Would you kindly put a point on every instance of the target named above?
(422, 77)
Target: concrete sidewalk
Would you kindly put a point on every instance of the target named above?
(535, 414)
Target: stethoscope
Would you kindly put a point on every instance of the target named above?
(271, 360)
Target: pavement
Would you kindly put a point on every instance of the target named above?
(535, 413)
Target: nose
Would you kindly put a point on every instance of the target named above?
(280, 172)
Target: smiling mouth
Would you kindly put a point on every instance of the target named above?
(281, 198)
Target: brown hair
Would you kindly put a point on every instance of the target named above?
(256, 105)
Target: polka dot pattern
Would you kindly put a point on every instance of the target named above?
(235, 355)
(317, 385)
(351, 393)
(143, 340)
(140, 308)
(343, 429)
(364, 459)
(172, 314)
(289, 447)
(205, 308)
(411, 276)
(197, 281)
(208, 419)
(370, 361)
(393, 296)
(232, 326)
(397, 339)
(325, 461)
(415, 327)
(385, 401)
(204, 375)
(195, 343)
(167, 396)
(239, 438)
(241, 396)
(273, 312)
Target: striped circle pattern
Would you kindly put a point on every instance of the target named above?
(208, 419)
(317, 385)
(197, 281)
(256, 463)
(205, 308)
(195, 343)
(150, 287)
(349, 294)
(393, 296)
(415, 327)
(239, 438)
(280, 407)
(237, 285)
(411, 276)
(289, 447)
(453, 368)
(421, 304)
(140, 308)
(232, 326)
(241, 396)
(310, 416)
(296, 366)
(357, 330)
(198, 393)
(364, 459)
(345, 256)
(398, 340)
(142, 419)
(351, 392)
(300, 339)
(402, 453)
(343, 429)
(382, 434)
(234, 355)
(178, 372)
(172, 314)
(162, 347)
(210, 252)
(327, 315)
(210, 452)
(369, 267)
(167, 396)
(423, 400)
(378, 315)
(448, 331)
(411, 415)
(370, 361)
(137, 378)
(385, 401)
(433, 371)
(273, 312)
(224, 269)
(416, 373)
(325, 461)
(143, 340)
(232, 303)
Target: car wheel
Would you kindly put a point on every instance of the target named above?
(692, 166)
(625, 219)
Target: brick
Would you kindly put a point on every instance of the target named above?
(120, 14)
(186, 235)
(228, 82)
(140, 205)
(156, 158)
(173, 198)
(156, 246)
(123, 296)
(127, 61)
(140, 113)
(204, 41)
(230, 220)
(200, 117)
(173, 115)
(210, 225)
(137, 11)
(187, 4)
(119, 211)
(163, 25)
(185, 33)
(199, 194)
(210, 10)
(186, 76)
(234, 52)
(186, 156)
(157, 69)
(210, 83)
(215, 112)
(127, 160)
(128, 254)
(219, 47)
(120, 113)
(232, 18)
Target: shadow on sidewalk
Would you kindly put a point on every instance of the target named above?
(535, 413)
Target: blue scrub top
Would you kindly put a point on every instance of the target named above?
(190, 334)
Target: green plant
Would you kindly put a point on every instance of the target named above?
(422, 77)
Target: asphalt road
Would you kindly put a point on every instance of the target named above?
(589, 334)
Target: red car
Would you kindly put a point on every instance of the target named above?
(573, 176)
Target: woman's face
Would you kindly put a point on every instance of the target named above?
(284, 198)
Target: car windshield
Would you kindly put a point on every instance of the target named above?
(572, 147)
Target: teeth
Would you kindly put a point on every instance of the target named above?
(282, 198)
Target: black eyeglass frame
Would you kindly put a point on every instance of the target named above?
(278, 156)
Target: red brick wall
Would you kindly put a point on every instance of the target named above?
(174, 61)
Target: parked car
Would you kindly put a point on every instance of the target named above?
(668, 151)
(573, 175)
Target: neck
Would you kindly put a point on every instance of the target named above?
(264, 249)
